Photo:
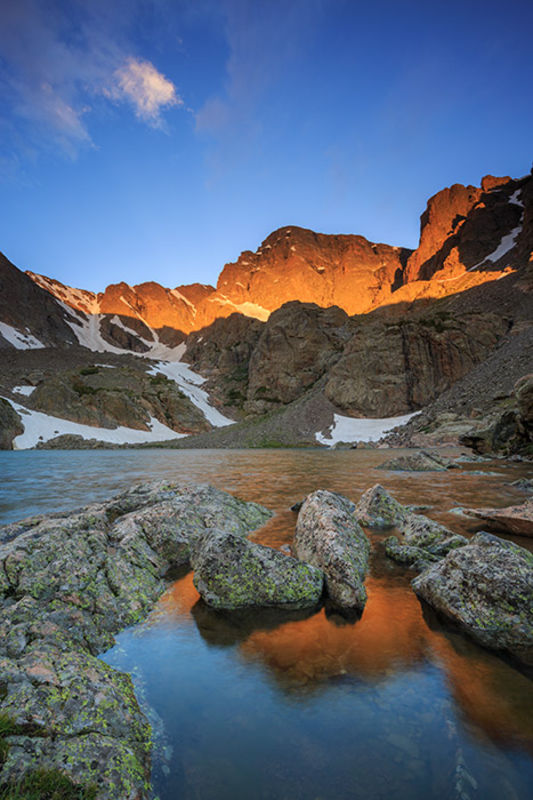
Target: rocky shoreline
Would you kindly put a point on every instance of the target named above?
(69, 582)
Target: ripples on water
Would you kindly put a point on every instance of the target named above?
(273, 705)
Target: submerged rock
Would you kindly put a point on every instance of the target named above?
(329, 537)
(68, 582)
(525, 484)
(421, 541)
(230, 572)
(486, 588)
(423, 461)
(516, 520)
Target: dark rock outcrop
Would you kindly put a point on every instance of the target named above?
(297, 346)
(388, 369)
(329, 537)
(119, 396)
(485, 587)
(10, 425)
(30, 309)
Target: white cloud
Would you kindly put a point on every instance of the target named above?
(145, 88)
(60, 60)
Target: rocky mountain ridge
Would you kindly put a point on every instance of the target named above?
(366, 330)
(464, 229)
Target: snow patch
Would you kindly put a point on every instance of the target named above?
(248, 309)
(189, 382)
(87, 332)
(19, 339)
(353, 429)
(39, 427)
(179, 296)
(514, 199)
(26, 390)
(507, 243)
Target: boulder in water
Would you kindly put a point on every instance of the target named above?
(421, 541)
(486, 588)
(516, 520)
(423, 461)
(231, 572)
(378, 510)
(329, 537)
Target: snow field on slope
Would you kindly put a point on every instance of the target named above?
(189, 383)
(169, 364)
(19, 339)
(353, 429)
(39, 427)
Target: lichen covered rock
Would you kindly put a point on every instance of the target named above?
(231, 572)
(486, 588)
(416, 557)
(68, 582)
(329, 537)
(378, 510)
(420, 539)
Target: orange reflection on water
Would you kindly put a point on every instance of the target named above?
(493, 696)
(179, 599)
(388, 637)
(391, 636)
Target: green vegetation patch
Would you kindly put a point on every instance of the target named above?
(43, 784)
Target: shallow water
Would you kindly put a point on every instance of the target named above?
(272, 705)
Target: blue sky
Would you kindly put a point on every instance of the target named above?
(157, 139)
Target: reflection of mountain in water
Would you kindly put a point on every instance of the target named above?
(306, 651)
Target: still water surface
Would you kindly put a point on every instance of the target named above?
(270, 705)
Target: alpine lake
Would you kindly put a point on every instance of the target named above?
(287, 706)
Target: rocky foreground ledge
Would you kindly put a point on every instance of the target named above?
(68, 582)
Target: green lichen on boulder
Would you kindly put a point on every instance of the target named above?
(68, 583)
(230, 572)
(378, 510)
(415, 557)
(420, 539)
(329, 537)
(485, 587)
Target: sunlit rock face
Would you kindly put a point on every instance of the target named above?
(298, 264)
(468, 235)
(465, 228)
(291, 264)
